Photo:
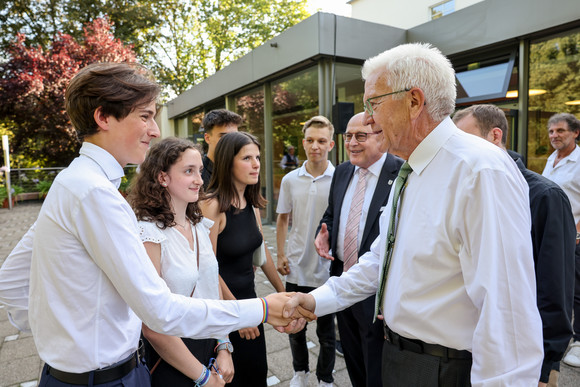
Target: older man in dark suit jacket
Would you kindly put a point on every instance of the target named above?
(358, 192)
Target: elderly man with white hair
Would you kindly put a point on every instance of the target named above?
(452, 267)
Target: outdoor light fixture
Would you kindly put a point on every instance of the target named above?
(576, 102)
(514, 93)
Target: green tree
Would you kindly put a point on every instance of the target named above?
(132, 21)
(200, 37)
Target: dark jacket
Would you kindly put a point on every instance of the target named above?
(554, 243)
(340, 181)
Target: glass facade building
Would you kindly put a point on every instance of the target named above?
(316, 65)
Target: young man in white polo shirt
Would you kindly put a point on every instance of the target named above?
(304, 194)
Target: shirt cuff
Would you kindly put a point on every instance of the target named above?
(325, 300)
(19, 319)
(251, 312)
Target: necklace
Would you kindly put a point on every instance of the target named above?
(181, 225)
(186, 234)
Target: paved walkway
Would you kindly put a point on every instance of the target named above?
(20, 364)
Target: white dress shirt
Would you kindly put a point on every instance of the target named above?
(372, 179)
(15, 281)
(91, 281)
(307, 198)
(462, 271)
(567, 175)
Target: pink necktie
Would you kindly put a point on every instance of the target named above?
(353, 221)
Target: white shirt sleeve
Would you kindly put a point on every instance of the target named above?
(15, 281)
(120, 254)
(358, 283)
(285, 197)
(497, 265)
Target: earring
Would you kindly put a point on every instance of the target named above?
(164, 184)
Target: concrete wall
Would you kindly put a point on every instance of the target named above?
(494, 21)
(399, 13)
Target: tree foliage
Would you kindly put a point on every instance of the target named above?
(132, 21)
(32, 86)
(44, 42)
(200, 37)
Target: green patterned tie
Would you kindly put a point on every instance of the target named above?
(399, 186)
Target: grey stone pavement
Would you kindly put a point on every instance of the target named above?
(21, 366)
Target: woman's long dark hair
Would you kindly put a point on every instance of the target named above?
(221, 185)
(149, 199)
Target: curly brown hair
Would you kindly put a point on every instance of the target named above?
(149, 199)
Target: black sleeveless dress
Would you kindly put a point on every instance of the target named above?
(235, 247)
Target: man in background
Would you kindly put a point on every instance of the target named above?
(215, 124)
(553, 239)
(563, 168)
(304, 194)
(347, 232)
(289, 161)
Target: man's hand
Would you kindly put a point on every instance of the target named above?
(299, 304)
(249, 333)
(290, 321)
(322, 243)
(283, 267)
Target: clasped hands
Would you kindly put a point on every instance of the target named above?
(289, 312)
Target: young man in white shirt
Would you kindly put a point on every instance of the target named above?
(89, 279)
(304, 194)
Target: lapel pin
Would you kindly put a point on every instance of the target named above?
(390, 182)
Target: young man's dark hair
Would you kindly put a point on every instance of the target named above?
(223, 121)
(220, 117)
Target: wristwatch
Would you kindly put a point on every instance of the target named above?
(577, 236)
(225, 345)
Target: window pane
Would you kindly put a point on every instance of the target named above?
(294, 100)
(483, 81)
(349, 88)
(554, 68)
(442, 9)
(250, 106)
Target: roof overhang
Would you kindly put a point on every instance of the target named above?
(322, 34)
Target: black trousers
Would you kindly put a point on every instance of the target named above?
(362, 343)
(326, 338)
(577, 295)
(402, 368)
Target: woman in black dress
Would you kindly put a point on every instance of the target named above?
(233, 203)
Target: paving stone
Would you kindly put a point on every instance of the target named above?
(17, 371)
(20, 348)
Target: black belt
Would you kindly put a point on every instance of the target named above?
(105, 375)
(419, 346)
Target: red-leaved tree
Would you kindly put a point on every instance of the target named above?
(32, 86)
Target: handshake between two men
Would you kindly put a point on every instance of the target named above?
(289, 312)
